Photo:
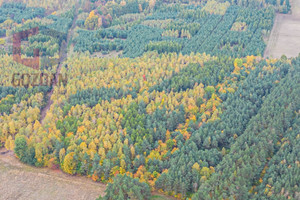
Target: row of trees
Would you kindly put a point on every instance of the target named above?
(186, 29)
(138, 37)
(164, 46)
(281, 176)
(52, 29)
(93, 42)
(253, 153)
(282, 6)
(126, 187)
(51, 5)
(213, 140)
(19, 12)
(216, 38)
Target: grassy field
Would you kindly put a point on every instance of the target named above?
(285, 36)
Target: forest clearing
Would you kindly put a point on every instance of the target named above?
(284, 38)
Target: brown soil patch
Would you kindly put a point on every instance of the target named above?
(285, 35)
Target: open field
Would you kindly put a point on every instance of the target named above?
(285, 36)
(19, 181)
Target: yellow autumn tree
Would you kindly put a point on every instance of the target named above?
(69, 164)
(92, 21)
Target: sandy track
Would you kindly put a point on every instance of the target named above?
(285, 35)
(20, 181)
(62, 57)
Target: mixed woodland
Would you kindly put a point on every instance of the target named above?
(172, 96)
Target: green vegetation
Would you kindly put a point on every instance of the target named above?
(125, 187)
(19, 12)
(185, 29)
(189, 108)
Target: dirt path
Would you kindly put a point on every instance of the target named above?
(62, 58)
(20, 181)
(285, 35)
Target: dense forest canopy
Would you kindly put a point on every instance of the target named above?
(215, 28)
(181, 101)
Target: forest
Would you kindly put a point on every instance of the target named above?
(188, 107)
(232, 31)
